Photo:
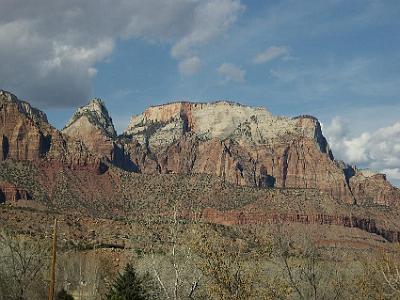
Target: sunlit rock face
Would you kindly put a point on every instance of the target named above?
(24, 131)
(243, 145)
(370, 187)
(92, 125)
(220, 120)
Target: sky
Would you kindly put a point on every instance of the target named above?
(338, 60)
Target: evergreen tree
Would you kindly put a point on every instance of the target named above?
(130, 286)
(63, 295)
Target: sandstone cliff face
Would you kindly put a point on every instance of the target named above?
(373, 188)
(244, 217)
(25, 134)
(93, 126)
(246, 146)
(10, 194)
(20, 135)
(243, 145)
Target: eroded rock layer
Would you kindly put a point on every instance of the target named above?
(10, 193)
(93, 125)
(26, 135)
(245, 146)
(242, 145)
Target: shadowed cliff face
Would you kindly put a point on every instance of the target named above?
(10, 194)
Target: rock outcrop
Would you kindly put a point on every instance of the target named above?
(240, 217)
(243, 145)
(10, 194)
(373, 188)
(26, 135)
(24, 131)
(93, 126)
(246, 146)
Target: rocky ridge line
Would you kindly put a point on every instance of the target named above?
(240, 144)
(25, 135)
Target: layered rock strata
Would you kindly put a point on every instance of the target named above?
(242, 145)
(26, 135)
(10, 194)
(93, 125)
(246, 146)
(240, 217)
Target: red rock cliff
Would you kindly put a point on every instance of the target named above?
(245, 146)
(25, 134)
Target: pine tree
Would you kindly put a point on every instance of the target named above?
(63, 295)
(130, 286)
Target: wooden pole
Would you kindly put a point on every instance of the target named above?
(53, 262)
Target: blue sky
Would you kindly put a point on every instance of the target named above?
(337, 60)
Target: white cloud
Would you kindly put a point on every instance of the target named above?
(190, 66)
(392, 173)
(210, 20)
(378, 150)
(230, 72)
(50, 48)
(271, 53)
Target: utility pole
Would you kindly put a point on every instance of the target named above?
(53, 263)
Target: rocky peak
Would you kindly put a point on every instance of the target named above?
(23, 107)
(311, 127)
(92, 125)
(162, 125)
(94, 114)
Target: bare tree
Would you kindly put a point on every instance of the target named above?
(306, 270)
(177, 275)
(23, 261)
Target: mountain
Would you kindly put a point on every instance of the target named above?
(25, 135)
(242, 145)
(247, 147)
(93, 125)
(228, 163)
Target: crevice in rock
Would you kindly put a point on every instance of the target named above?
(6, 147)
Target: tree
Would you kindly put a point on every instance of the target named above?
(174, 267)
(309, 273)
(131, 286)
(23, 262)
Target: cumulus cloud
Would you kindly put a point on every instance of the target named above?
(190, 66)
(271, 53)
(50, 48)
(230, 72)
(378, 150)
(209, 21)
